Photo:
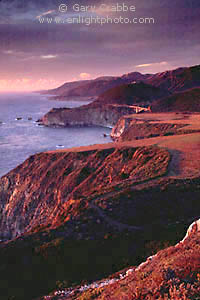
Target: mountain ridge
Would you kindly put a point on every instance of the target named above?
(94, 87)
(158, 92)
(176, 80)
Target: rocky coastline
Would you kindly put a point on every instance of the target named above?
(82, 214)
(88, 115)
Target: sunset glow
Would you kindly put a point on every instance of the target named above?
(40, 50)
(26, 84)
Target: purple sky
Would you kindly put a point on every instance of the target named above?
(35, 55)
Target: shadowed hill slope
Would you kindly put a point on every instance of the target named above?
(188, 101)
(177, 80)
(130, 94)
(173, 273)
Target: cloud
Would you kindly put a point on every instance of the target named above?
(80, 46)
(15, 53)
(85, 75)
(46, 13)
(49, 56)
(8, 52)
(162, 63)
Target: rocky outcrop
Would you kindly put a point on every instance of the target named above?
(122, 124)
(108, 108)
(88, 115)
(130, 128)
(193, 229)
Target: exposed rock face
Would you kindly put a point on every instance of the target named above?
(193, 228)
(107, 109)
(129, 128)
(48, 187)
(119, 128)
(86, 115)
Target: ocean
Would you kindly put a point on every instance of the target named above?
(20, 135)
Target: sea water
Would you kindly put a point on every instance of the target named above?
(20, 135)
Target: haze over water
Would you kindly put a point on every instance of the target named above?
(21, 138)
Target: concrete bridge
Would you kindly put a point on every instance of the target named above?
(136, 108)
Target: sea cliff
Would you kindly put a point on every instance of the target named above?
(90, 115)
(69, 216)
(51, 187)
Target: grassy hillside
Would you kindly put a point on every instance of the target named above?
(129, 94)
(177, 80)
(188, 101)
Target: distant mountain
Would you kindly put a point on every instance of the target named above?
(95, 87)
(188, 101)
(135, 76)
(66, 87)
(102, 84)
(177, 80)
(129, 94)
(176, 90)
